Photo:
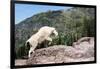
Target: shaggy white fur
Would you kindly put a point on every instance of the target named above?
(43, 34)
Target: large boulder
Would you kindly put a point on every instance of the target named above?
(81, 52)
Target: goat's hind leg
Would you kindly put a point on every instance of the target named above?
(32, 50)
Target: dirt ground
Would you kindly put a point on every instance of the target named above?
(20, 62)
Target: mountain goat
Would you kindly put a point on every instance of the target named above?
(43, 34)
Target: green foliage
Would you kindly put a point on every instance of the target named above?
(71, 25)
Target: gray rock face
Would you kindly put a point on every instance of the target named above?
(84, 51)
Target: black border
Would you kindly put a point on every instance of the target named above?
(12, 28)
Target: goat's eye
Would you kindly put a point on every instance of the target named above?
(52, 34)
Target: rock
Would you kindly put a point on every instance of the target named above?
(86, 46)
(84, 51)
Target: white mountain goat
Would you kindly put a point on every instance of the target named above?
(43, 34)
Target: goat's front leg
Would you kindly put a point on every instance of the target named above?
(49, 39)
